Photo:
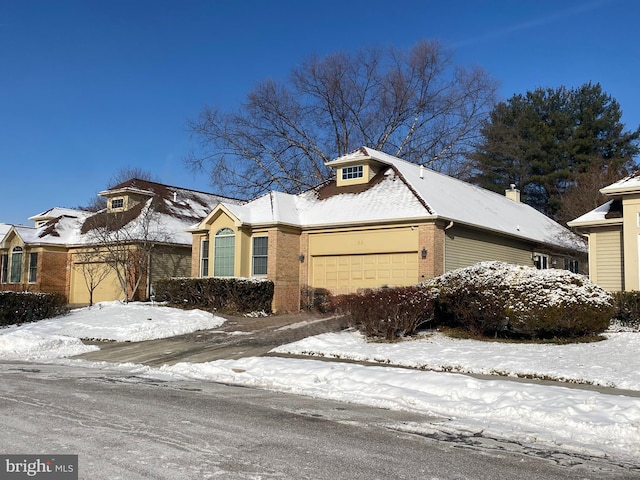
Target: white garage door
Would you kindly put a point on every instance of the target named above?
(347, 273)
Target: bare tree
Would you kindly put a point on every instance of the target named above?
(415, 104)
(94, 271)
(127, 173)
(126, 241)
(584, 194)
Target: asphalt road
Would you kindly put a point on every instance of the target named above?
(127, 427)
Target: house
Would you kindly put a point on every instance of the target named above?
(380, 221)
(116, 253)
(34, 258)
(613, 230)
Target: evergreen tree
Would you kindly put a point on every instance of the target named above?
(544, 141)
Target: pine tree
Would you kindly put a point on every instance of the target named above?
(543, 141)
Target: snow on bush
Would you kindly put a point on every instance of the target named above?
(499, 298)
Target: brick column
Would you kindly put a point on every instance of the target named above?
(431, 237)
(284, 270)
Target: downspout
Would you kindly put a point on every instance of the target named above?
(149, 274)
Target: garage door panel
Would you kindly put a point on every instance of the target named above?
(349, 273)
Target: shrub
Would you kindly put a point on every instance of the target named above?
(30, 307)
(239, 295)
(628, 308)
(389, 313)
(492, 298)
(317, 299)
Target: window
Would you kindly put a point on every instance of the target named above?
(204, 258)
(117, 203)
(572, 265)
(224, 253)
(541, 261)
(260, 251)
(16, 265)
(33, 267)
(352, 172)
(4, 268)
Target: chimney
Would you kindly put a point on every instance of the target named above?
(513, 193)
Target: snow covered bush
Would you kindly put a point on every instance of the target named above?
(628, 309)
(390, 313)
(496, 298)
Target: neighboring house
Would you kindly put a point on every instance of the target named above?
(381, 221)
(35, 258)
(113, 254)
(613, 230)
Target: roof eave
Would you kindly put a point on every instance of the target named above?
(606, 222)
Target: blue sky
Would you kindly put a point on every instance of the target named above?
(89, 87)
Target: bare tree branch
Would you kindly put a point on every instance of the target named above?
(413, 103)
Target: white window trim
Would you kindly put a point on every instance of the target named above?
(545, 260)
(220, 234)
(207, 258)
(15, 251)
(32, 268)
(253, 256)
(352, 172)
(121, 207)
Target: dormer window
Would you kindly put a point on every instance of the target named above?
(352, 172)
(117, 203)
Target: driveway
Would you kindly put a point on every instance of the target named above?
(238, 337)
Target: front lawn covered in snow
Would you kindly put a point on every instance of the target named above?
(115, 321)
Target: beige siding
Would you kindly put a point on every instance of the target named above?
(608, 264)
(347, 273)
(385, 240)
(167, 263)
(107, 290)
(464, 247)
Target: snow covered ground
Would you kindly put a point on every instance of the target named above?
(557, 417)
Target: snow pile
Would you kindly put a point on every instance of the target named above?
(131, 322)
(25, 345)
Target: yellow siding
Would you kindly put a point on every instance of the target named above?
(402, 239)
(465, 247)
(607, 264)
(168, 263)
(107, 290)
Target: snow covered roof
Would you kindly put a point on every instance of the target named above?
(175, 209)
(56, 212)
(610, 212)
(406, 191)
(598, 216)
(4, 229)
(628, 184)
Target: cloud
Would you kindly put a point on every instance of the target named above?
(535, 23)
